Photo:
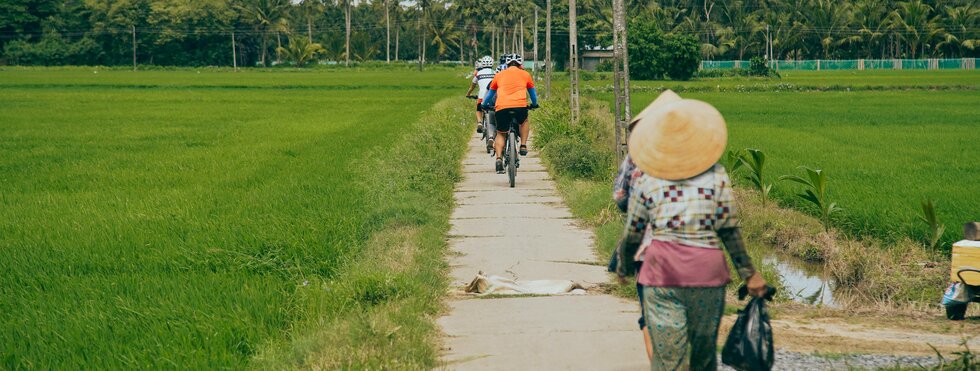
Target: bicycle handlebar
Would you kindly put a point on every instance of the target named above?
(472, 97)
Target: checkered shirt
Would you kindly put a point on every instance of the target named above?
(687, 211)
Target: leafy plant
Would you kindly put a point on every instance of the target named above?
(300, 51)
(816, 192)
(655, 55)
(731, 162)
(928, 216)
(759, 67)
(755, 161)
(965, 359)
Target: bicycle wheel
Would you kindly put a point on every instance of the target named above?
(511, 157)
(491, 128)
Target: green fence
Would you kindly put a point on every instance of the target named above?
(854, 64)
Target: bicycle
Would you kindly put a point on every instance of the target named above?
(511, 159)
(489, 126)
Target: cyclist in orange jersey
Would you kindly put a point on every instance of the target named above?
(510, 89)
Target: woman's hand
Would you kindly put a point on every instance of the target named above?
(756, 285)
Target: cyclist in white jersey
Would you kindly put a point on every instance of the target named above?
(481, 78)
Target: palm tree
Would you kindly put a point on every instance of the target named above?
(872, 16)
(912, 21)
(445, 35)
(310, 9)
(423, 24)
(743, 27)
(829, 21)
(300, 51)
(267, 16)
(960, 32)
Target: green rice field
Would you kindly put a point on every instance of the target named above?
(884, 150)
(276, 219)
(814, 80)
(177, 219)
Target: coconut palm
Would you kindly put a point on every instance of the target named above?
(267, 16)
(960, 33)
(444, 31)
(742, 27)
(913, 21)
(828, 20)
(871, 16)
(300, 51)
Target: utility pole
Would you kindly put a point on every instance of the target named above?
(387, 34)
(573, 61)
(522, 37)
(134, 47)
(493, 40)
(622, 79)
(617, 75)
(347, 44)
(547, 50)
(504, 40)
(234, 52)
(768, 47)
(535, 68)
(420, 37)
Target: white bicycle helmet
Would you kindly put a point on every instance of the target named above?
(511, 58)
(485, 62)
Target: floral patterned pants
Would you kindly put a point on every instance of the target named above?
(683, 323)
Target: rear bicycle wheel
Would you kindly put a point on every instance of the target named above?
(511, 157)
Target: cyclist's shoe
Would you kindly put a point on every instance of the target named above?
(523, 150)
(479, 128)
(490, 145)
(500, 165)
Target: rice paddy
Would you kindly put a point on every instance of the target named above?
(885, 150)
(173, 218)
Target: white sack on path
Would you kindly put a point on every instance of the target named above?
(485, 285)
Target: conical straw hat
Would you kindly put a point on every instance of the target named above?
(678, 140)
(668, 96)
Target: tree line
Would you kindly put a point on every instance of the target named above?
(266, 32)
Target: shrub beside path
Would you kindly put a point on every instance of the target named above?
(527, 233)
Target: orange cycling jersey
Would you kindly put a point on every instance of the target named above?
(511, 86)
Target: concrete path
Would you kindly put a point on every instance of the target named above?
(527, 233)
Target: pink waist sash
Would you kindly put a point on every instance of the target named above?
(671, 264)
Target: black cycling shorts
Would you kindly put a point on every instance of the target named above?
(479, 103)
(508, 115)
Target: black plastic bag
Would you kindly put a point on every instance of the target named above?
(749, 345)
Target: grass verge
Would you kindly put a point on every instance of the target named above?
(377, 313)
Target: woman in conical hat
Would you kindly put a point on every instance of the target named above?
(685, 198)
(621, 193)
